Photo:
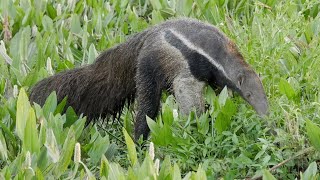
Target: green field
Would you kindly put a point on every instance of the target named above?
(279, 39)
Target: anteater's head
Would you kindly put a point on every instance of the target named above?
(245, 80)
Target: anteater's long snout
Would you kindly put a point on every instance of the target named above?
(262, 108)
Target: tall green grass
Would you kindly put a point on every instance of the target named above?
(280, 39)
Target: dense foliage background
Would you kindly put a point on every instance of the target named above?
(280, 39)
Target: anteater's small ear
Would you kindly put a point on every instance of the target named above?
(240, 79)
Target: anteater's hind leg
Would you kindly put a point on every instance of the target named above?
(149, 86)
(188, 92)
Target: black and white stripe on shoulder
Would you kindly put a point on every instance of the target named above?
(191, 52)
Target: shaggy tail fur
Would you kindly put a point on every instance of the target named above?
(99, 89)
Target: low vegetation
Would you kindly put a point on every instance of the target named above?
(280, 39)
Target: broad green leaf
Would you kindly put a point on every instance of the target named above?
(47, 23)
(51, 11)
(23, 109)
(154, 127)
(52, 146)
(223, 96)
(61, 106)
(39, 175)
(313, 132)
(71, 117)
(116, 172)
(3, 148)
(175, 172)
(286, 88)
(311, 172)
(184, 7)
(165, 168)
(66, 153)
(90, 176)
(210, 95)
(79, 126)
(31, 139)
(127, 121)
(9, 134)
(92, 54)
(146, 169)
(222, 122)
(75, 24)
(199, 175)
(156, 4)
(156, 17)
(229, 108)
(50, 105)
(42, 159)
(167, 115)
(131, 148)
(203, 123)
(267, 175)
(98, 149)
(104, 167)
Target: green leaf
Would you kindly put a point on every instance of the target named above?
(311, 172)
(131, 148)
(23, 109)
(165, 168)
(79, 126)
(52, 146)
(99, 148)
(31, 140)
(75, 24)
(146, 169)
(61, 106)
(229, 108)
(51, 11)
(39, 175)
(92, 54)
(50, 105)
(286, 88)
(313, 132)
(156, 17)
(71, 117)
(47, 24)
(203, 123)
(199, 175)
(153, 126)
(222, 122)
(184, 7)
(156, 4)
(104, 168)
(3, 148)
(89, 173)
(267, 175)
(167, 115)
(176, 172)
(66, 153)
(223, 96)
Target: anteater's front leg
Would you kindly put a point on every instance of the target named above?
(188, 92)
(148, 85)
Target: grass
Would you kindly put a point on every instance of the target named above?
(279, 39)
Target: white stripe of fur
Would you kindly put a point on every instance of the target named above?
(200, 51)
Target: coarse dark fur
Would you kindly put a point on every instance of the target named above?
(179, 55)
